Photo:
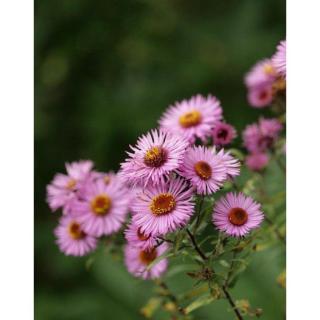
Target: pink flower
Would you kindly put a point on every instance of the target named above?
(260, 96)
(155, 156)
(257, 161)
(163, 208)
(236, 214)
(137, 261)
(259, 137)
(103, 208)
(63, 189)
(138, 239)
(279, 59)
(223, 134)
(204, 169)
(71, 238)
(194, 118)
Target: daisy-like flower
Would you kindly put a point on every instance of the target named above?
(137, 261)
(154, 157)
(261, 74)
(260, 96)
(279, 59)
(223, 134)
(231, 164)
(103, 208)
(236, 214)
(71, 238)
(138, 239)
(257, 161)
(194, 118)
(163, 208)
(63, 188)
(204, 169)
(259, 137)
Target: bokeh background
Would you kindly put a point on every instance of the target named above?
(104, 73)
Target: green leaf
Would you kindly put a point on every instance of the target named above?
(200, 302)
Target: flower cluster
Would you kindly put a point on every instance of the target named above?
(267, 79)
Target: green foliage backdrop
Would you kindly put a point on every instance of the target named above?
(105, 71)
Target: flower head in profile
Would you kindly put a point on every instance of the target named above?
(64, 187)
(203, 169)
(236, 214)
(137, 261)
(223, 134)
(260, 96)
(163, 208)
(103, 208)
(71, 238)
(138, 239)
(193, 118)
(279, 59)
(154, 157)
(257, 161)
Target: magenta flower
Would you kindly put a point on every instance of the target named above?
(257, 161)
(223, 134)
(63, 189)
(138, 239)
(279, 59)
(163, 208)
(71, 238)
(137, 261)
(204, 169)
(236, 214)
(154, 157)
(260, 96)
(103, 208)
(194, 118)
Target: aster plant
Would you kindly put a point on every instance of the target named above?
(185, 199)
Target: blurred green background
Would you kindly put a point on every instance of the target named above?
(104, 73)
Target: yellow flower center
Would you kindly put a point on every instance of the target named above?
(146, 257)
(71, 184)
(101, 204)
(190, 119)
(279, 85)
(162, 204)
(238, 216)
(203, 170)
(155, 157)
(269, 70)
(75, 231)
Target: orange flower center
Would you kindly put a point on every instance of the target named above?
(75, 231)
(155, 157)
(162, 204)
(101, 204)
(203, 170)
(142, 236)
(190, 119)
(279, 85)
(71, 184)
(238, 216)
(146, 257)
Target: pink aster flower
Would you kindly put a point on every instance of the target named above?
(103, 208)
(204, 169)
(137, 261)
(63, 189)
(257, 161)
(71, 238)
(138, 239)
(279, 59)
(154, 157)
(260, 96)
(223, 134)
(194, 118)
(163, 208)
(231, 164)
(258, 137)
(236, 214)
(263, 73)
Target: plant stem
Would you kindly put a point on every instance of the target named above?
(232, 304)
(196, 247)
(196, 226)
